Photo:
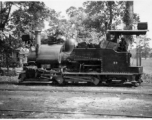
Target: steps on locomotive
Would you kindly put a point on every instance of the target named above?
(31, 81)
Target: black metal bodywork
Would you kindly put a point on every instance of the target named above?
(102, 64)
(107, 60)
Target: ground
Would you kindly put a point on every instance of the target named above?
(75, 101)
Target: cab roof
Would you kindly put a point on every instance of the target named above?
(127, 32)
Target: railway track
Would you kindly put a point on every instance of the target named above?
(84, 113)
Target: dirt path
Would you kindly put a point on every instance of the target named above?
(74, 102)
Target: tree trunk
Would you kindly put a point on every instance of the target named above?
(8, 7)
(129, 9)
(7, 62)
(128, 21)
(110, 3)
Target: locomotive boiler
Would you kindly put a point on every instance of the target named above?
(70, 62)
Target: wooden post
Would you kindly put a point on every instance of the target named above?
(136, 56)
(38, 37)
(38, 41)
(138, 53)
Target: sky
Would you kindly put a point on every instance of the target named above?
(141, 7)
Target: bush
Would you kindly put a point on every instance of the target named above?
(147, 78)
(8, 73)
(6, 79)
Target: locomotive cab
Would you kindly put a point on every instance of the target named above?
(122, 43)
(118, 36)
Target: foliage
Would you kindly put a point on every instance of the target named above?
(144, 46)
(58, 27)
(27, 17)
(142, 43)
(87, 23)
(105, 11)
(90, 20)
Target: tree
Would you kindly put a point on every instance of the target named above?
(27, 17)
(128, 15)
(90, 20)
(72, 11)
(105, 11)
(5, 8)
(130, 19)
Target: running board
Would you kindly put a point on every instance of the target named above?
(93, 73)
(36, 82)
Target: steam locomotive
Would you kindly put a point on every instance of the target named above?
(70, 62)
